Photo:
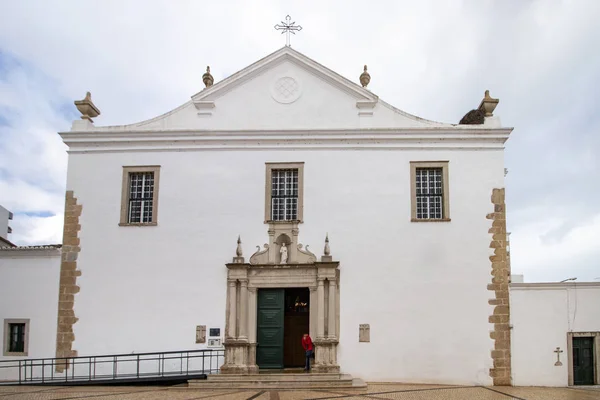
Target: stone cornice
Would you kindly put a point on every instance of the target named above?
(322, 341)
(327, 264)
(98, 140)
(271, 266)
(554, 285)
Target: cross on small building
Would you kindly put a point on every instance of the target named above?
(288, 27)
(558, 351)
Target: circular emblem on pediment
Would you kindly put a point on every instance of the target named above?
(286, 90)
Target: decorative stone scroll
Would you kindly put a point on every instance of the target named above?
(260, 256)
(310, 257)
(283, 247)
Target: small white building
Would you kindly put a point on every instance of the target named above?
(555, 333)
(381, 234)
(29, 278)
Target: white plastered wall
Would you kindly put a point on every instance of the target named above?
(422, 287)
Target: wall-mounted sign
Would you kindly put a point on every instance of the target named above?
(364, 333)
(214, 342)
(215, 332)
(201, 334)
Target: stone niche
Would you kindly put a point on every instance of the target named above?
(269, 268)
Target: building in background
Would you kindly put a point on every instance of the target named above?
(5, 218)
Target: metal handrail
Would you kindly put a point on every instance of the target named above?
(111, 368)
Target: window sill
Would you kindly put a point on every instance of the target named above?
(291, 221)
(13, 354)
(430, 220)
(138, 224)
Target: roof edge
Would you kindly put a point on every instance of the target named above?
(554, 285)
(6, 241)
(238, 77)
(34, 247)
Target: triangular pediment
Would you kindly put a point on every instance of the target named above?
(283, 91)
(283, 56)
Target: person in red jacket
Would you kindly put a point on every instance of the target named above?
(308, 348)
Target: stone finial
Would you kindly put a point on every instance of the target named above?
(488, 104)
(365, 78)
(207, 78)
(239, 258)
(327, 250)
(87, 109)
(326, 257)
(238, 250)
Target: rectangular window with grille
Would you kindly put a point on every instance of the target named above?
(284, 194)
(429, 193)
(429, 188)
(139, 195)
(16, 338)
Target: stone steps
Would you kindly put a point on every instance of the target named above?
(279, 381)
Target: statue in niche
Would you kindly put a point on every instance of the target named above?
(284, 253)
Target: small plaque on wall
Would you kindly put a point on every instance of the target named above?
(214, 332)
(364, 333)
(201, 334)
(214, 342)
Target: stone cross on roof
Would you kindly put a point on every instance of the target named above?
(288, 27)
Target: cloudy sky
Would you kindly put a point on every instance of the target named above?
(433, 59)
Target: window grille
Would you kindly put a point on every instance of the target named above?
(429, 190)
(141, 193)
(16, 338)
(284, 195)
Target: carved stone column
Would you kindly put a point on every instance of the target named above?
(252, 367)
(243, 304)
(320, 309)
(236, 349)
(232, 309)
(313, 312)
(331, 315)
(326, 346)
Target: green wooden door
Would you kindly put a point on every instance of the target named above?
(269, 335)
(583, 360)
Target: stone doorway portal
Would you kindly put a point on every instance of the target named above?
(303, 278)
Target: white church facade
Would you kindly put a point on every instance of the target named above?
(287, 199)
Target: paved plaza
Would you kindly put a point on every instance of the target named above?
(374, 392)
